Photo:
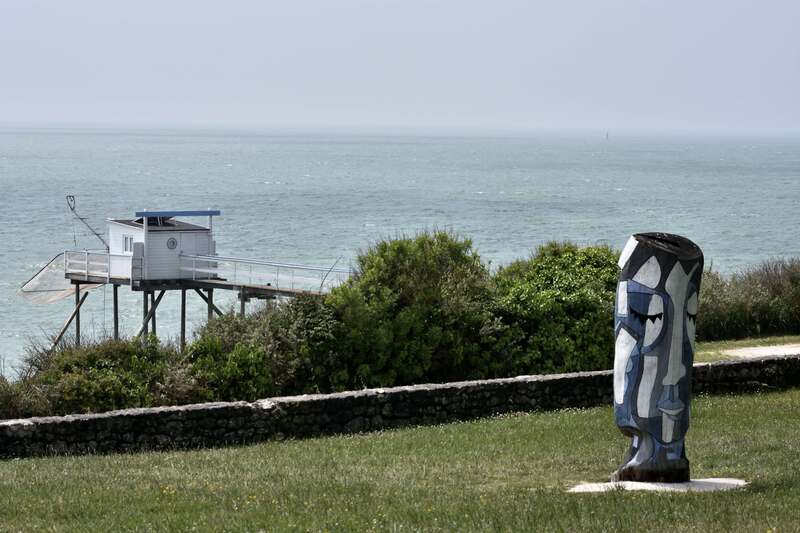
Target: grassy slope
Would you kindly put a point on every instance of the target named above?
(497, 474)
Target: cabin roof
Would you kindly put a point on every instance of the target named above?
(162, 224)
(170, 214)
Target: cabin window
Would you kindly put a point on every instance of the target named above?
(127, 243)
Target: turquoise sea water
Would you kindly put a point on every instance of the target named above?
(313, 198)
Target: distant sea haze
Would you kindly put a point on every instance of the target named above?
(316, 198)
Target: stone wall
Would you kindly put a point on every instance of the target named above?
(212, 424)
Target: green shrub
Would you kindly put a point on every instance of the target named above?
(239, 374)
(762, 300)
(279, 349)
(417, 310)
(102, 376)
(559, 308)
(304, 333)
(20, 399)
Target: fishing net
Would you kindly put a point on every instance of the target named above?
(49, 284)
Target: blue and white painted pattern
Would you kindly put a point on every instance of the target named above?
(654, 323)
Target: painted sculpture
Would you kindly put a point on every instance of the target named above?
(654, 326)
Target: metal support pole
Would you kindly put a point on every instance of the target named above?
(78, 314)
(153, 306)
(145, 300)
(116, 312)
(210, 301)
(144, 255)
(183, 320)
(242, 298)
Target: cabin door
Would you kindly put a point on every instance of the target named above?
(188, 246)
(189, 243)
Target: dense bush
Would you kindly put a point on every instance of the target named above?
(763, 300)
(279, 349)
(98, 376)
(418, 309)
(559, 308)
(20, 399)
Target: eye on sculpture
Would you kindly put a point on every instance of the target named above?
(653, 320)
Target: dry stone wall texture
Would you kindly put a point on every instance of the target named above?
(213, 424)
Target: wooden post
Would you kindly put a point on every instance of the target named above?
(153, 306)
(145, 299)
(69, 321)
(214, 308)
(210, 301)
(242, 297)
(183, 320)
(150, 314)
(116, 312)
(78, 314)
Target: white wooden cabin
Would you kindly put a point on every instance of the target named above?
(149, 246)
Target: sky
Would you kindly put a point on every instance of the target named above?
(517, 65)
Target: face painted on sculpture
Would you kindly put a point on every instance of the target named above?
(654, 327)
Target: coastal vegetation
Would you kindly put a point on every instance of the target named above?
(506, 473)
(760, 301)
(418, 309)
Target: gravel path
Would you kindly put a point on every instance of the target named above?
(762, 351)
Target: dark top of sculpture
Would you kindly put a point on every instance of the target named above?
(681, 247)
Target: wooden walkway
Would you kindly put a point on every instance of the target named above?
(252, 290)
(203, 287)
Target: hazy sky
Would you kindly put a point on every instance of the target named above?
(605, 64)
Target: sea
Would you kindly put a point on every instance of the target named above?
(319, 198)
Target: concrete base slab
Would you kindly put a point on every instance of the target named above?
(695, 485)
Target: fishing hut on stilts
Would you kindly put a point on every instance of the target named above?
(158, 251)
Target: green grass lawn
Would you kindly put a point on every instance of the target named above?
(713, 351)
(507, 473)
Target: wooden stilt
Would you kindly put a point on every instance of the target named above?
(242, 299)
(77, 314)
(145, 312)
(210, 302)
(153, 305)
(69, 321)
(213, 307)
(116, 312)
(150, 314)
(183, 320)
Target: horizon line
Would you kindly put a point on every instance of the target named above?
(468, 130)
